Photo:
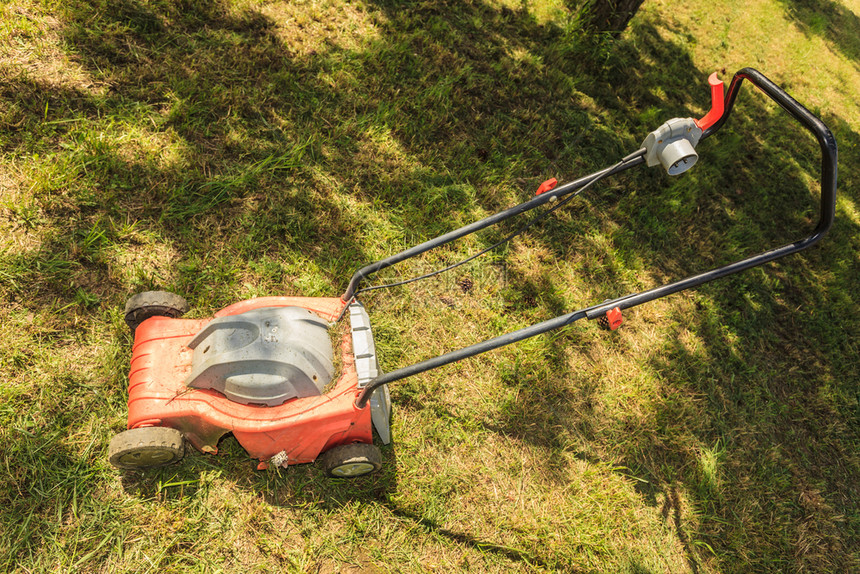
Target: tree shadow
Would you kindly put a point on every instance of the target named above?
(711, 217)
(273, 142)
(834, 23)
(747, 324)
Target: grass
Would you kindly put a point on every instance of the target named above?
(237, 148)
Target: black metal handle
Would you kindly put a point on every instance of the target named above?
(828, 195)
(828, 209)
(810, 122)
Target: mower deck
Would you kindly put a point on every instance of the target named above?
(294, 432)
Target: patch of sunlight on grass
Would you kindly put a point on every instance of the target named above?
(142, 255)
(30, 42)
(710, 461)
(307, 28)
(543, 12)
(692, 343)
(762, 34)
(522, 55)
(21, 217)
(565, 509)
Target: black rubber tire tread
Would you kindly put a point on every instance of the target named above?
(136, 449)
(153, 304)
(351, 454)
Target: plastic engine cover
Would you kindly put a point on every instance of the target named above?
(266, 356)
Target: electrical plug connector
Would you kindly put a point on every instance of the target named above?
(673, 145)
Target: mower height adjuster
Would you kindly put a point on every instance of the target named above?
(612, 320)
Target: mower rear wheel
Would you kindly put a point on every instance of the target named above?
(146, 447)
(148, 304)
(352, 460)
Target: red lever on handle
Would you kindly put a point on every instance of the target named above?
(717, 103)
(614, 318)
(546, 186)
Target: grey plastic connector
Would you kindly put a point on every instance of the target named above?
(673, 145)
(265, 356)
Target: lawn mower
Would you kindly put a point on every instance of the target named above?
(267, 371)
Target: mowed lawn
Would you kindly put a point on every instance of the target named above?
(229, 149)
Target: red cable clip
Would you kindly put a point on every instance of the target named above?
(546, 186)
(614, 318)
(718, 98)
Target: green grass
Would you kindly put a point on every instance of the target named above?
(238, 148)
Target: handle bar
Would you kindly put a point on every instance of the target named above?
(828, 195)
(827, 213)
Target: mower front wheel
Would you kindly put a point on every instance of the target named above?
(352, 460)
(146, 447)
(148, 304)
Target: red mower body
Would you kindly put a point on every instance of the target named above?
(296, 431)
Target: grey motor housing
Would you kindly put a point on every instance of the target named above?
(265, 356)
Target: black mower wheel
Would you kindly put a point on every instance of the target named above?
(352, 460)
(148, 304)
(146, 447)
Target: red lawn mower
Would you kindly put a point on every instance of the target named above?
(267, 371)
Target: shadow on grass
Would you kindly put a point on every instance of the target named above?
(766, 446)
(747, 327)
(484, 546)
(837, 25)
(305, 157)
(296, 486)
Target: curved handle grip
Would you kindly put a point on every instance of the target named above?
(828, 196)
(810, 122)
(718, 99)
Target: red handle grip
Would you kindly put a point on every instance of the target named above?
(717, 103)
